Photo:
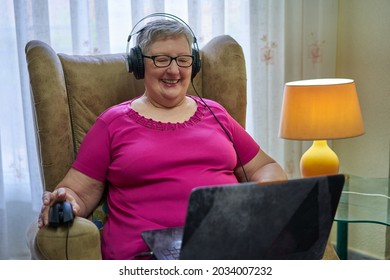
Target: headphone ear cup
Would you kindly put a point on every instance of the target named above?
(196, 64)
(135, 63)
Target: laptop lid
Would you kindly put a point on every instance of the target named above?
(289, 220)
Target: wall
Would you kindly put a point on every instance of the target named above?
(363, 54)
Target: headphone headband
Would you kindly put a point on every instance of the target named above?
(135, 62)
(161, 15)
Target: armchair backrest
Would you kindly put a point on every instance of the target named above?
(70, 91)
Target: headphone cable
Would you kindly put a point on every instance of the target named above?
(224, 129)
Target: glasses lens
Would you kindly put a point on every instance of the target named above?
(165, 60)
(184, 60)
(162, 60)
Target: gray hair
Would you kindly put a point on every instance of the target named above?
(162, 29)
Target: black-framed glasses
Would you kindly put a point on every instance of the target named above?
(162, 61)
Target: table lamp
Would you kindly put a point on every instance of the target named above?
(320, 110)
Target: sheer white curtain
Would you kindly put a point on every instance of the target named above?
(289, 40)
(282, 40)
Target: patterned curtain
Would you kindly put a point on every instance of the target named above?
(289, 40)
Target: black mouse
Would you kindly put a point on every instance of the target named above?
(60, 213)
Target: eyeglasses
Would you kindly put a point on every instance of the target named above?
(162, 61)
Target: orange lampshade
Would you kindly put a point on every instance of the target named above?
(320, 109)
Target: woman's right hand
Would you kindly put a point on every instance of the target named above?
(50, 198)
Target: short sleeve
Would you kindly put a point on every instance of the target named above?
(93, 157)
(246, 146)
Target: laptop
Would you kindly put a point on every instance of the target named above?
(248, 221)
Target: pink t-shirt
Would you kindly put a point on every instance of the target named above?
(151, 168)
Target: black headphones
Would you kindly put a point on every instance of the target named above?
(135, 61)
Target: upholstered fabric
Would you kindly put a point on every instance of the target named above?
(65, 241)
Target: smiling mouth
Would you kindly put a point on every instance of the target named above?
(170, 82)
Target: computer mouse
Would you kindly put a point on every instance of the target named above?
(60, 213)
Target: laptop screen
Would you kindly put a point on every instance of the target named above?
(289, 220)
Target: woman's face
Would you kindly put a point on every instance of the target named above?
(167, 86)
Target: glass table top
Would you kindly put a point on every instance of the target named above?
(365, 200)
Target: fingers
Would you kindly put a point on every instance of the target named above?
(75, 205)
(43, 218)
(50, 198)
(47, 201)
(46, 198)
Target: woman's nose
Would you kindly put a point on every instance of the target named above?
(173, 67)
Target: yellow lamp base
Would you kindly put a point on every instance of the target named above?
(319, 160)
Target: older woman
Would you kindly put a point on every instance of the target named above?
(153, 150)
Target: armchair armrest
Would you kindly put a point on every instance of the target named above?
(79, 241)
